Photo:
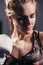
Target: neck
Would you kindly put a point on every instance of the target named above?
(26, 37)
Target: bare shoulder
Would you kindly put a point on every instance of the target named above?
(40, 35)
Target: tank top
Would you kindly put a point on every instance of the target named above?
(35, 54)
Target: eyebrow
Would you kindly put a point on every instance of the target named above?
(32, 13)
(29, 14)
(19, 16)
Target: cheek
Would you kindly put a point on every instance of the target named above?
(33, 22)
(18, 26)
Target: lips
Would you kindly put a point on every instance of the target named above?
(28, 29)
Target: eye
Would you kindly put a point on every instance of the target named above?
(21, 18)
(32, 15)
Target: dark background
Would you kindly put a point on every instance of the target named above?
(39, 20)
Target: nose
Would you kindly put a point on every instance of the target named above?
(28, 21)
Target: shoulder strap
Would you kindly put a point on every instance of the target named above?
(38, 40)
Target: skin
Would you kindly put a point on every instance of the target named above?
(25, 32)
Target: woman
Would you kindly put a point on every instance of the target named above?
(29, 42)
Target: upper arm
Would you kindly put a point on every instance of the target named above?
(15, 52)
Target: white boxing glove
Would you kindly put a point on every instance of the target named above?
(6, 42)
(5, 45)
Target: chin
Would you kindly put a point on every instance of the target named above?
(29, 32)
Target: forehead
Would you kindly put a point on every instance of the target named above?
(29, 8)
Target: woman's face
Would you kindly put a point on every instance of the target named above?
(26, 21)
